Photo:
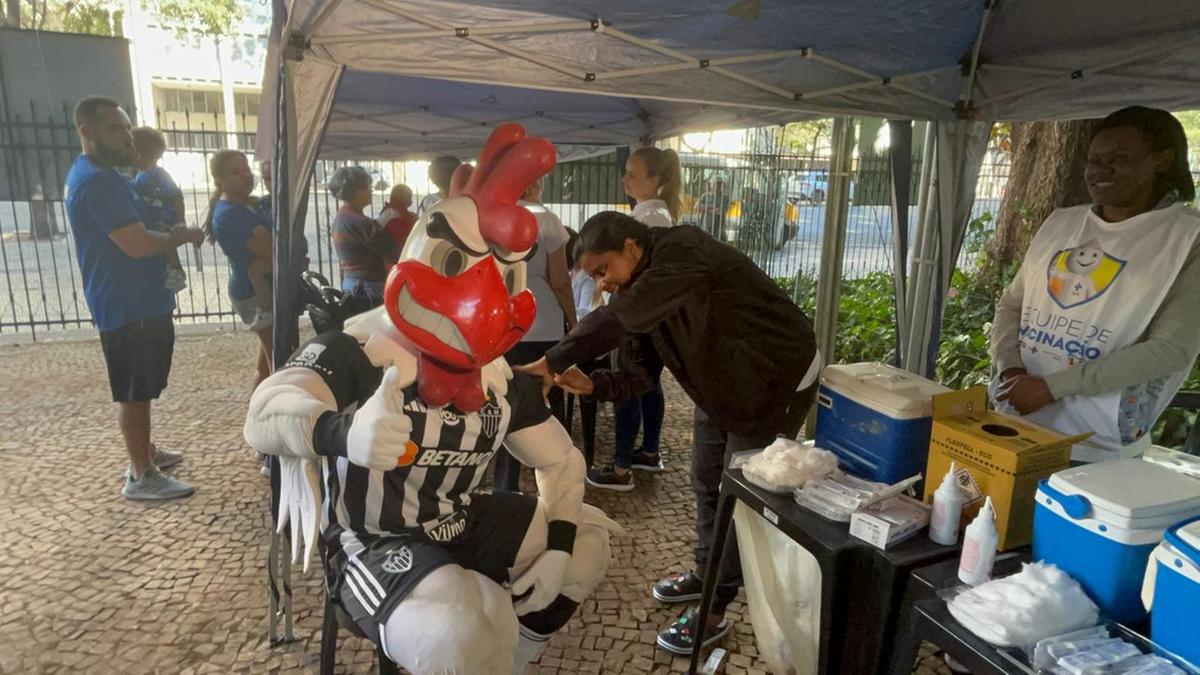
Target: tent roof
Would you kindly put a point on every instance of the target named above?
(418, 74)
(391, 116)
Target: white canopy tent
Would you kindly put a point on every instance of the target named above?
(385, 78)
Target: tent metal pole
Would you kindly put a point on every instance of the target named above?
(1115, 77)
(969, 79)
(314, 23)
(1125, 60)
(497, 46)
(923, 258)
(698, 63)
(881, 82)
(833, 241)
(457, 32)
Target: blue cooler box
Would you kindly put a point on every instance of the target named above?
(876, 418)
(1173, 581)
(1100, 523)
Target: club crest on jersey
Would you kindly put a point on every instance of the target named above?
(398, 561)
(489, 416)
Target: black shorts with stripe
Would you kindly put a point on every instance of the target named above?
(372, 583)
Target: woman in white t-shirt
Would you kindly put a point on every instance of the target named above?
(1101, 325)
(549, 279)
(653, 178)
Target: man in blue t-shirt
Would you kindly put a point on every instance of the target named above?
(122, 265)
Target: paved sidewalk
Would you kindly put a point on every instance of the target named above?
(92, 583)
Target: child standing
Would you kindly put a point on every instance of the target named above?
(162, 196)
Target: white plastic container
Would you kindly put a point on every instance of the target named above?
(1100, 522)
(947, 510)
(979, 547)
(876, 418)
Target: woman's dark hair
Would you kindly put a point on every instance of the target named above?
(1161, 131)
(607, 231)
(572, 248)
(441, 169)
(348, 180)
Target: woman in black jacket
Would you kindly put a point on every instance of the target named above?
(740, 348)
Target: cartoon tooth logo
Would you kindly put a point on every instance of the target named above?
(1081, 274)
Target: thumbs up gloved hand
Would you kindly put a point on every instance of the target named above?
(380, 430)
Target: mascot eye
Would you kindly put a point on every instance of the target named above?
(514, 277)
(448, 260)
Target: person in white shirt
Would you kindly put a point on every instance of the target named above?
(654, 178)
(548, 278)
(1101, 325)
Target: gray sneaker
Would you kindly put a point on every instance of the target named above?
(154, 486)
(164, 459)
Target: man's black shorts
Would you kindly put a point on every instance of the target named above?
(370, 584)
(138, 356)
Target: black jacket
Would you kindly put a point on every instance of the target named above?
(734, 341)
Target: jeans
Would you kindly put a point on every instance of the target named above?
(630, 416)
(507, 471)
(372, 289)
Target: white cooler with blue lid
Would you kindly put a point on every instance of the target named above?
(1100, 522)
(1172, 590)
(876, 418)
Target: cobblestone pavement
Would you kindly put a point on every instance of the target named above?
(92, 583)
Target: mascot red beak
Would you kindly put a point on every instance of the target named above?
(458, 295)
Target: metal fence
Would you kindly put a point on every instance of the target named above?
(769, 203)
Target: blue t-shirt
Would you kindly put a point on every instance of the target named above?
(158, 189)
(119, 289)
(233, 225)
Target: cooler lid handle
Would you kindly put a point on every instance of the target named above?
(1182, 547)
(1076, 506)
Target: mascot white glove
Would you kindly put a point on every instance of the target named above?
(380, 430)
(545, 578)
(299, 490)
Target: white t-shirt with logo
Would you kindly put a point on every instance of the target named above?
(1092, 288)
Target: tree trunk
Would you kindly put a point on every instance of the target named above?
(1047, 173)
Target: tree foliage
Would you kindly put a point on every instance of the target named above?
(213, 17)
(103, 17)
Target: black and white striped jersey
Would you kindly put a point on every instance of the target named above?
(450, 454)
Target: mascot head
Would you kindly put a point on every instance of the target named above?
(457, 296)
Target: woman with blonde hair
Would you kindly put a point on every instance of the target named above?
(243, 232)
(654, 179)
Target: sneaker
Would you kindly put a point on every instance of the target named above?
(164, 459)
(645, 461)
(606, 478)
(154, 486)
(678, 638)
(681, 587)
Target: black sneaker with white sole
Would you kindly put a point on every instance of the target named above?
(646, 461)
(681, 587)
(680, 637)
(606, 478)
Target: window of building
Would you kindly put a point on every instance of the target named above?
(192, 119)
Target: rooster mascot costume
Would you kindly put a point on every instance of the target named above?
(399, 416)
